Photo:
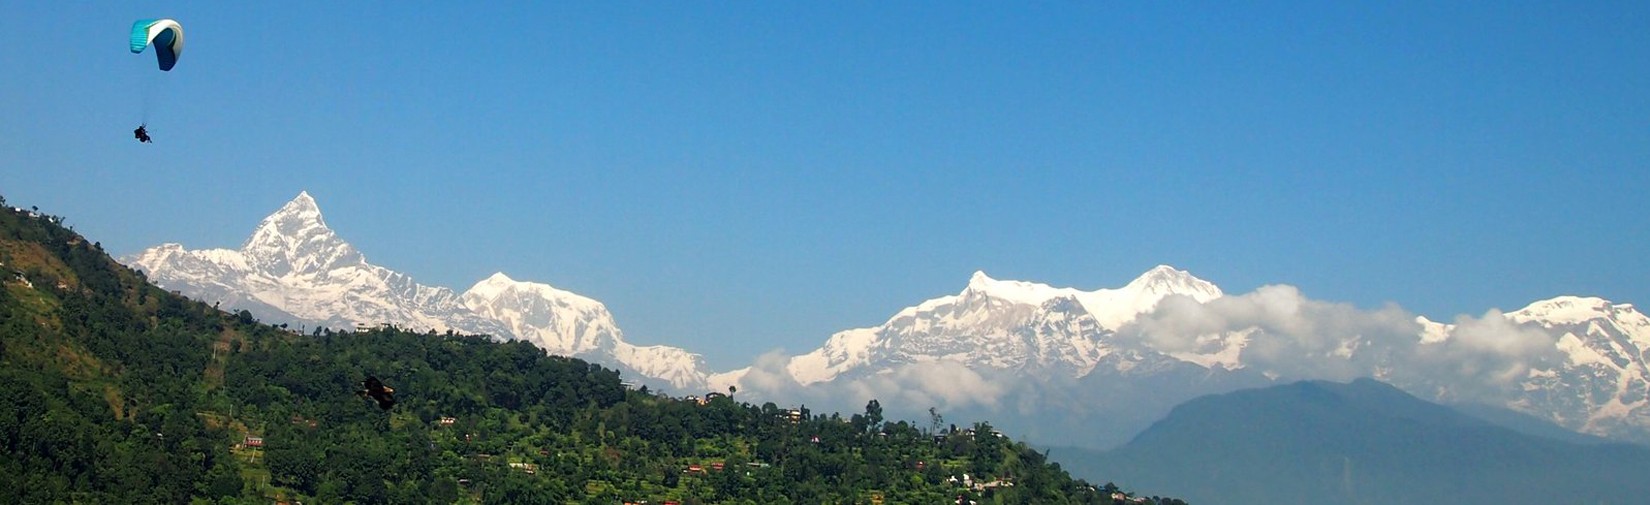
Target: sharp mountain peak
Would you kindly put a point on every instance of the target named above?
(295, 268)
(296, 239)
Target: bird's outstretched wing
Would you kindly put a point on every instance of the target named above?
(384, 395)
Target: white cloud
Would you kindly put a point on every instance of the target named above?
(1288, 334)
(768, 374)
(1283, 334)
(1486, 358)
(941, 384)
(1294, 337)
(944, 384)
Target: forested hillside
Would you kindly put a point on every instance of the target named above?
(114, 391)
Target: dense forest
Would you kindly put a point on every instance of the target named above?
(115, 391)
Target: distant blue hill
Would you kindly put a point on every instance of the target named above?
(1363, 442)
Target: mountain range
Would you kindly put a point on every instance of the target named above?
(1088, 368)
(295, 270)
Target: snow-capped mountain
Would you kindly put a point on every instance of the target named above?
(568, 324)
(1056, 353)
(1602, 385)
(1049, 355)
(1000, 324)
(296, 270)
(559, 321)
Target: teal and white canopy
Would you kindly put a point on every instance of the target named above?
(165, 34)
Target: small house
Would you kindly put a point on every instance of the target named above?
(528, 468)
(710, 397)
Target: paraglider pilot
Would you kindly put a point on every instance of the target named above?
(142, 134)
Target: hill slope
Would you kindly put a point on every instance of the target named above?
(101, 377)
(1361, 442)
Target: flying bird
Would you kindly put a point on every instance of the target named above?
(384, 395)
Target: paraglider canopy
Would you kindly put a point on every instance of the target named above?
(165, 34)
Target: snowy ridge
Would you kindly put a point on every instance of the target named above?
(558, 321)
(842, 352)
(1000, 324)
(674, 365)
(1433, 332)
(296, 270)
(1600, 385)
(296, 240)
(1112, 308)
(1578, 309)
(293, 263)
(1603, 385)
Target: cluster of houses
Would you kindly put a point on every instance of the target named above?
(709, 397)
(700, 469)
(527, 468)
(978, 486)
(942, 436)
(523, 467)
(792, 415)
(718, 466)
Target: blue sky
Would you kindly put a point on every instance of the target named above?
(733, 178)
